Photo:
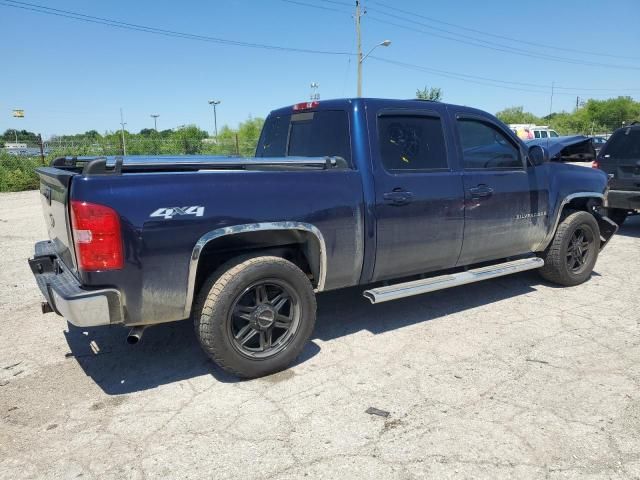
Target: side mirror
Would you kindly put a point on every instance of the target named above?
(538, 155)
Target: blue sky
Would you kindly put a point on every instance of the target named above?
(71, 76)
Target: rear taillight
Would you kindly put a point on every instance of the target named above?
(97, 236)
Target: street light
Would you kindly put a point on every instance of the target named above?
(361, 59)
(155, 121)
(215, 117)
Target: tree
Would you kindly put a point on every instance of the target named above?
(24, 136)
(517, 115)
(434, 94)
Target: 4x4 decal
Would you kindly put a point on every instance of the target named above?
(170, 212)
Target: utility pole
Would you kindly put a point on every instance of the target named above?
(41, 145)
(577, 103)
(553, 86)
(155, 121)
(359, 42)
(122, 124)
(215, 117)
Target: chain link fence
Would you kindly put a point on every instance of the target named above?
(17, 165)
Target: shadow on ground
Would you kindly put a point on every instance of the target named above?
(170, 352)
(630, 228)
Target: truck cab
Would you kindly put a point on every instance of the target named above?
(340, 193)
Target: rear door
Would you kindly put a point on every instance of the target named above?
(620, 157)
(418, 195)
(505, 200)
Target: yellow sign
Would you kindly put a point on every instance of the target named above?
(18, 113)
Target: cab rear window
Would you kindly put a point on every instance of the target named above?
(306, 134)
(624, 144)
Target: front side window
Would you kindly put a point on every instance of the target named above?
(484, 146)
(411, 143)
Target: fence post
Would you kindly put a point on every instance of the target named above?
(41, 148)
(237, 146)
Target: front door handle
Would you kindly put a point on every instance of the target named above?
(398, 197)
(481, 191)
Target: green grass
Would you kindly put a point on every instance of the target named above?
(18, 173)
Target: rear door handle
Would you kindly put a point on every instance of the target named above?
(481, 191)
(398, 197)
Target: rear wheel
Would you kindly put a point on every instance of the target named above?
(618, 215)
(254, 316)
(570, 258)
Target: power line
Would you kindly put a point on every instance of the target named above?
(320, 7)
(503, 37)
(492, 82)
(158, 31)
(468, 40)
(473, 41)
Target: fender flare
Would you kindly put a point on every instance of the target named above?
(252, 227)
(566, 200)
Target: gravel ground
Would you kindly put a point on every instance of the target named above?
(510, 378)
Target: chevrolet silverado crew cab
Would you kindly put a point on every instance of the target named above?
(399, 197)
(620, 159)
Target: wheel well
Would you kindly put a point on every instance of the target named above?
(300, 247)
(582, 203)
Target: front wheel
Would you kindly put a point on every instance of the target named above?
(254, 316)
(570, 258)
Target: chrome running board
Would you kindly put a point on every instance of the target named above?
(418, 287)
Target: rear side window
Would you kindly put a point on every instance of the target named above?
(484, 146)
(624, 144)
(306, 134)
(411, 143)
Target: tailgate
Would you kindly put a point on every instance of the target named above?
(54, 196)
(620, 157)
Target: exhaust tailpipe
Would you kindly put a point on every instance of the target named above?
(135, 335)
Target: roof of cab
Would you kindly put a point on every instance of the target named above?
(350, 103)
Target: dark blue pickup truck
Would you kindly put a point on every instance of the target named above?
(402, 197)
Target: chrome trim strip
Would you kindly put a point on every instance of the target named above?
(550, 234)
(252, 227)
(418, 287)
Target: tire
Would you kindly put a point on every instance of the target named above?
(253, 316)
(558, 265)
(618, 215)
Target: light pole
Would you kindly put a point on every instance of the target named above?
(215, 117)
(122, 124)
(155, 121)
(361, 58)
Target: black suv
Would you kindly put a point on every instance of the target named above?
(620, 159)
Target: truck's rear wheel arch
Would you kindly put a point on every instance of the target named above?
(300, 243)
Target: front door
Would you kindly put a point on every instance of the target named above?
(419, 199)
(505, 200)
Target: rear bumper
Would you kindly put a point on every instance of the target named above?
(624, 199)
(66, 296)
